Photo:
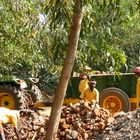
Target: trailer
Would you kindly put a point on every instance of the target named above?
(117, 92)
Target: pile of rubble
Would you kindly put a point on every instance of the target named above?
(31, 126)
(125, 127)
(83, 120)
(80, 121)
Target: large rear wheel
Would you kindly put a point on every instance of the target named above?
(11, 97)
(115, 100)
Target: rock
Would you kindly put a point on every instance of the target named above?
(110, 120)
(125, 126)
(74, 134)
(80, 121)
(88, 122)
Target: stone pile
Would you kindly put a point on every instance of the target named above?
(31, 126)
(125, 127)
(83, 121)
(80, 121)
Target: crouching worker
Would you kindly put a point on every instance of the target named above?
(91, 93)
(84, 80)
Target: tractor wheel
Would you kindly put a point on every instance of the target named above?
(36, 94)
(115, 100)
(11, 97)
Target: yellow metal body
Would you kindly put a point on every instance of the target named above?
(135, 102)
(71, 100)
(41, 104)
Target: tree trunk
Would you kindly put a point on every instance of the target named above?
(66, 72)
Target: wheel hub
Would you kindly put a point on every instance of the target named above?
(7, 101)
(113, 104)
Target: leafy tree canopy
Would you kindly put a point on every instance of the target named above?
(34, 36)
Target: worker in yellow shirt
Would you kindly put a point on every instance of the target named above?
(137, 72)
(91, 93)
(83, 85)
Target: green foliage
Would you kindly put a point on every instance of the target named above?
(109, 39)
(107, 28)
(20, 42)
(26, 43)
(59, 13)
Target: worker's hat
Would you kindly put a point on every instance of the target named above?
(82, 76)
(137, 70)
(92, 83)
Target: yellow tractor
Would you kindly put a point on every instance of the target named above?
(17, 93)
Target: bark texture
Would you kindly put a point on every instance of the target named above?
(66, 72)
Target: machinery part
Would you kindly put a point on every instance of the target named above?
(34, 90)
(27, 99)
(22, 83)
(35, 93)
(71, 100)
(12, 97)
(41, 104)
(34, 80)
(115, 100)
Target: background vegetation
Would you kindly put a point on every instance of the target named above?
(34, 37)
